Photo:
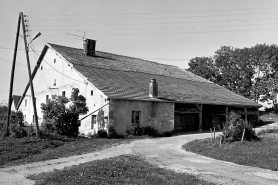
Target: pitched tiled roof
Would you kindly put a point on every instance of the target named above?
(123, 63)
(121, 77)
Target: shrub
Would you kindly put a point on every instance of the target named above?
(138, 131)
(113, 134)
(234, 128)
(30, 130)
(129, 131)
(61, 119)
(102, 134)
(150, 131)
(16, 127)
(168, 133)
(2, 127)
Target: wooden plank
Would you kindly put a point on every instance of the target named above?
(201, 118)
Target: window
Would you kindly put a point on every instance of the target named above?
(92, 92)
(33, 119)
(41, 67)
(25, 103)
(93, 121)
(63, 93)
(47, 97)
(24, 117)
(55, 60)
(135, 118)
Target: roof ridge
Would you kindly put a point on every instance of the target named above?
(121, 56)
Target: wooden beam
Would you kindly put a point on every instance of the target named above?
(30, 76)
(198, 107)
(6, 132)
(201, 118)
(227, 113)
(258, 115)
(245, 113)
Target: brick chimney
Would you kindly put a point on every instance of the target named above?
(89, 47)
(153, 92)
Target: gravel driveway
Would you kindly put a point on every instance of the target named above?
(165, 152)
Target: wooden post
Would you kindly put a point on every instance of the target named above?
(245, 113)
(30, 76)
(258, 115)
(6, 133)
(243, 135)
(201, 118)
(227, 113)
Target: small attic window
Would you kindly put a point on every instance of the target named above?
(55, 60)
(92, 92)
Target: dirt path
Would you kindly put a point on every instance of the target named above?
(165, 152)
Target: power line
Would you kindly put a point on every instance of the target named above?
(13, 49)
(153, 18)
(9, 61)
(184, 32)
(126, 29)
(54, 68)
(147, 13)
(155, 23)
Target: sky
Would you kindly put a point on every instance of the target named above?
(168, 32)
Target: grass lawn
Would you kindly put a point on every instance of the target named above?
(26, 150)
(124, 169)
(261, 153)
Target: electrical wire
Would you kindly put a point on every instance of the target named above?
(56, 69)
(9, 61)
(127, 29)
(175, 33)
(154, 18)
(156, 23)
(147, 13)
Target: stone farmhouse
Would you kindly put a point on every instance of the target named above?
(126, 92)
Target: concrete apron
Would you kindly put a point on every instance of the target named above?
(165, 152)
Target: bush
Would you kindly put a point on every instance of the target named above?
(102, 134)
(234, 128)
(168, 134)
(138, 131)
(150, 131)
(2, 127)
(16, 127)
(61, 119)
(113, 134)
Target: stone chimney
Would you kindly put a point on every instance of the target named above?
(89, 47)
(153, 92)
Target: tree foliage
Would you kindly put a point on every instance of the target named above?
(61, 115)
(251, 72)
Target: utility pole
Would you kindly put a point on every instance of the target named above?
(21, 19)
(30, 76)
(6, 133)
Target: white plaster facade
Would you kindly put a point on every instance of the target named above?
(56, 75)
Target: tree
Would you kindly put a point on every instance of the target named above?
(61, 115)
(251, 72)
(204, 67)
